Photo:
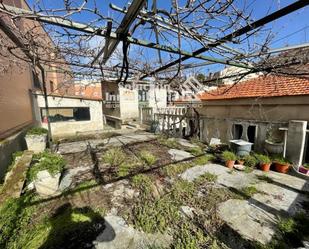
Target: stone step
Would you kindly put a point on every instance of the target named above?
(15, 180)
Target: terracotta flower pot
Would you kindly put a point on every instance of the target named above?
(229, 164)
(282, 167)
(265, 166)
(241, 162)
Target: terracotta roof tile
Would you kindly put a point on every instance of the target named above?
(263, 86)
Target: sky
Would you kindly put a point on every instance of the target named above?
(289, 30)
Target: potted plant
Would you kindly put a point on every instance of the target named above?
(229, 158)
(240, 160)
(36, 139)
(304, 169)
(45, 173)
(264, 162)
(281, 165)
(250, 161)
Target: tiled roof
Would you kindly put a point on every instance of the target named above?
(263, 86)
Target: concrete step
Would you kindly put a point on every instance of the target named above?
(15, 179)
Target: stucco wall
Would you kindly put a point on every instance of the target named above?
(218, 116)
(128, 103)
(71, 127)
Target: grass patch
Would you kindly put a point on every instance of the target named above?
(118, 159)
(169, 142)
(68, 228)
(196, 151)
(206, 177)
(51, 162)
(147, 157)
(15, 217)
(249, 191)
(202, 160)
(176, 169)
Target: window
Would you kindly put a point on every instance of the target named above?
(66, 114)
(237, 131)
(251, 133)
(36, 80)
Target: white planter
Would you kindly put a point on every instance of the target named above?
(45, 184)
(36, 143)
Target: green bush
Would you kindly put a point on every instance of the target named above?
(306, 165)
(262, 158)
(250, 161)
(51, 162)
(228, 156)
(37, 131)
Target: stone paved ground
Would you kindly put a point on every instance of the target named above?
(80, 146)
(256, 218)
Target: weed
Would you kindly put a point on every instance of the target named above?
(114, 156)
(37, 131)
(84, 185)
(286, 225)
(249, 191)
(176, 169)
(144, 183)
(16, 214)
(206, 177)
(147, 157)
(197, 142)
(53, 163)
(189, 237)
(196, 151)
(80, 225)
(248, 169)
(265, 178)
(169, 142)
(202, 160)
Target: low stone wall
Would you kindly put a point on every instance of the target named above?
(8, 146)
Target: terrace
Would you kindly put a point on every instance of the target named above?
(140, 190)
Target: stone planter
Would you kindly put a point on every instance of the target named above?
(36, 143)
(45, 184)
(273, 148)
(241, 147)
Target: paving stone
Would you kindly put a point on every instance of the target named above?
(68, 176)
(251, 222)
(186, 143)
(178, 155)
(118, 235)
(187, 211)
(75, 147)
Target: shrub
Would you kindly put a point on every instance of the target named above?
(147, 157)
(37, 131)
(53, 163)
(262, 158)
(228, 155)
(250, 161)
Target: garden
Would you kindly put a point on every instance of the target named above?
(166, 193)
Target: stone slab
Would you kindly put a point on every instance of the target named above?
(186, 143)
(251, 222)
(16, 179)
(178, 155)
(80, 146)
(118, 235)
